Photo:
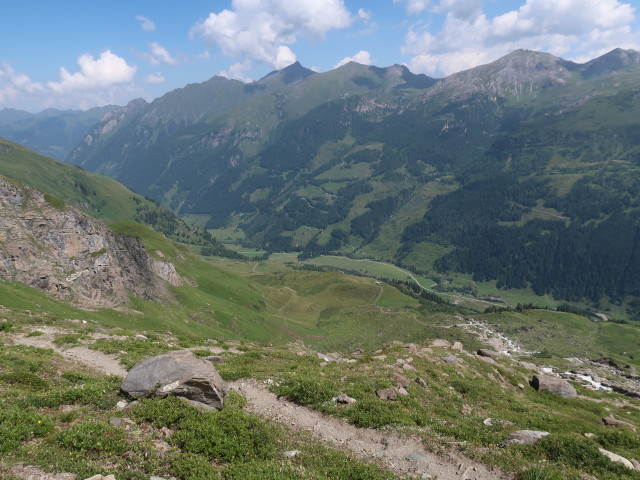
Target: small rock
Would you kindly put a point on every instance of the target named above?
(211, 341)
(157, 478)
(408, 368)
(483, 352)
(141, 337)
(635, 463)
(520, 386)
(344, 398)
(525, 437)
(450, 359)
(379, 357)
(554, 385)
(488, 360)
(457, 346)
(291, 453)
(400, 380)
(488, 422)
(441, 343)
(101, 330)
(411, 347)
(420, 381)
(214, 359)
(402, 391)
(416, 457)
(614, 422)
(614, 457)
(122, 404)
(529, 366)
(387, 394)
(590, 435)
(325, 358)
(115, 421)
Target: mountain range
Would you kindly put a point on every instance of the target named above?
(521, 174)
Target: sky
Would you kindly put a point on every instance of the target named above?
(73, 54)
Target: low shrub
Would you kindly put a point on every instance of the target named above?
(18, 426)
(92, 436)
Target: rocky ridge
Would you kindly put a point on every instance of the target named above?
(54, 247)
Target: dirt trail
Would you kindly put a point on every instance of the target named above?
(102, 362)
(404, 455)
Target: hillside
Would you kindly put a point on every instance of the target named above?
(514, 175)
(97, 195)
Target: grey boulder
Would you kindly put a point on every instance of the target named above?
(177, 373)
(554, 385)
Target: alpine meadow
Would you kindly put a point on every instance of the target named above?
(427, 270)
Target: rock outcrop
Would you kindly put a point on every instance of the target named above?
(177, 373)
(71, 256)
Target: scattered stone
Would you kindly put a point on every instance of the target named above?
(115, 421)
(494, 421)
(408, 368)
(101, 330)
(291, 453)
(450, 359)
(520, 386)
(420, 381)
(211, 341)
(488, 360)
(379, 357)
(402, 391)
(400, 380)
(488, 422)
(411, 347)
(441, 343)
(102, 477)
(614, 457)
(158, 478)
(387, 394)
(635, 463)
(529, 366)
(590, 435)
(325, 358)
(457, 346)
(483, 352)
(614, 422)
(214, 359)
(344, 398)
(525, 437)
(416, 457)
(554, 385)
(177, 373)
(121, 405)
(141, 337)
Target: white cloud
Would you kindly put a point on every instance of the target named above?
(156, 77)
(237, 71)
(158, 55)
(261, 29)
(107, 70)
(14, 84)
(414, 6)
(362, 57)
(365, 15)
(146, 24)
(575, 29)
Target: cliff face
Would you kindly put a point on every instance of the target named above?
(52, 246)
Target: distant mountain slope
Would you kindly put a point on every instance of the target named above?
(520, 172)
(52, 132)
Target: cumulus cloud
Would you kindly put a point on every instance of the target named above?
(414, 6)
(158, 54)
(237, 71)
(262, 30)
(106, 70)
(581, 29)
(146, 24)
(156, 77)
(14, 84)
(362, 57)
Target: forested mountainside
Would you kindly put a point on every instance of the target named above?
(523, 172)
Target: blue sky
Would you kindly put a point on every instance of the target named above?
(81, 54)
